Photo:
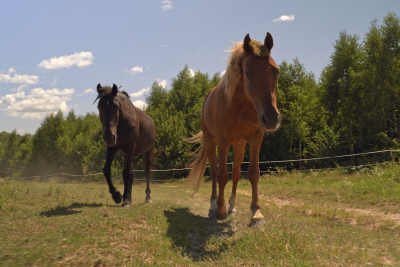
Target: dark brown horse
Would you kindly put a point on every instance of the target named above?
(236, 112)
(128, 130)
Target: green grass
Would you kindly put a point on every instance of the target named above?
(369, 188)
(313, 219)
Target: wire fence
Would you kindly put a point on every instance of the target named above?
(264, 169)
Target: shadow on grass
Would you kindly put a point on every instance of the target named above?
(197, 237)
(68, 210)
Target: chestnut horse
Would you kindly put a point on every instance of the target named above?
(236, 112)
(128, 130)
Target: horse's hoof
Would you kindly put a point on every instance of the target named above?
(117, 197)
(148, 201)
(212, 214)
(232, 204)
(256, 222)
(126, 204)
(221, 213)
(257, 219)
(232, 212)
(222, 216)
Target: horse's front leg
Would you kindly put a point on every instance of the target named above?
(128, 180)
(254, 176)
(111, 151)
(223, 179)
(238, 151)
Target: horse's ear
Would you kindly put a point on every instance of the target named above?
(99, 91)
(246, 44)
(114, 89)
(269, 42)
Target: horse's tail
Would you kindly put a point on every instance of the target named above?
(199, 164)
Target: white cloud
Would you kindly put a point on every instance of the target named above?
(54, 81)
(284, 18)
(191, 72)
(164, 46)
(163, 83)
(135, 70)
(37, 104)
(140, 93)
(13, 77)
(223, 73)
(140, 104)
(166, 5)
(87, 91)
(21, 132)
(80, 60)
(20, 88)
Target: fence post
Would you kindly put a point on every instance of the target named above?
(391, 155)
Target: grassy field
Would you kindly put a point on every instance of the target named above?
(313, 219)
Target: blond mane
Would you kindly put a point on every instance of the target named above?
(233, 74)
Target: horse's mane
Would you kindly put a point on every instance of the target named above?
(106, 90)
(233, 74)
(125, 93)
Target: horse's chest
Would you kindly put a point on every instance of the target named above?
(243, 124)
(245, 115)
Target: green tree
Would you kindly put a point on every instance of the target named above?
(8, 163)
(341, 91)
(176, 114)
(303, 119)
(157, 97)
(47, 158)
(381, 81)
(187, 96)
(24, 153)
(16, 154)
(88, 147)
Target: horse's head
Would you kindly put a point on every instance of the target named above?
(109, 113)
(260, 80)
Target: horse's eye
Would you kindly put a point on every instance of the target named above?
(249, 74)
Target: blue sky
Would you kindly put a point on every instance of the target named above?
(54, 53)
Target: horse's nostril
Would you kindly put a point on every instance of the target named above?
(270, 122)
(264, 120)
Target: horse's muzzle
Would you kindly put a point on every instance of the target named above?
(270, 122)
(110, 139)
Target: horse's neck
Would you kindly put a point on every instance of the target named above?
(126, 114)
(239, 96)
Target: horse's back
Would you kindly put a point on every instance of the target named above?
(147, 132)
(215, 116)
(208, 114)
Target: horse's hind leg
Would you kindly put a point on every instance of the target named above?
(238, 151)
(107, 173)
(148, 156)
(210, 146)
(128, 180)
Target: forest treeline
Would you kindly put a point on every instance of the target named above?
(353, 107)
